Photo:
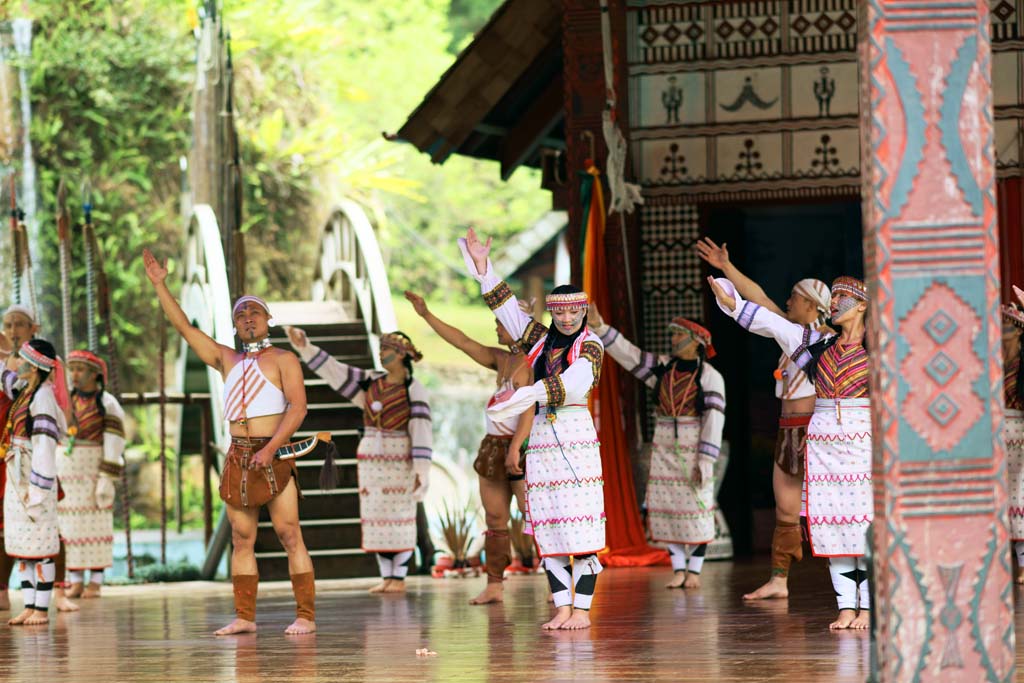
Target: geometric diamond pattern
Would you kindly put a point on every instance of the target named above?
(800, 24)
(823, 23)
(940, 327)
(724, 30)
(1003, 11)
(747, 28)
(672, 33)
(694, 32)
(942, 409)
(941, 368)
(649, 35)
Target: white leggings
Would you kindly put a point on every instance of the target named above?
(850, 580)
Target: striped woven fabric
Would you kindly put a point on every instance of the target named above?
(87, 416)
(387, 406)
(1010, 385)
(677, 396)
(843, 372)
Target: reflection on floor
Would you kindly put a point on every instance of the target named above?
(641, 632)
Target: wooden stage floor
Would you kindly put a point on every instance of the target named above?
(642, 632)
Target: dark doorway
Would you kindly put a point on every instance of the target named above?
(776, 246)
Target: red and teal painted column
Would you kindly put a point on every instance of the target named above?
(942, 568)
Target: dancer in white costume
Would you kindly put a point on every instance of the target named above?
(393, 457)
(687, 439)
(29, 444)
(88, 468)
(1013, 392)
(564, 483)
(838, 470)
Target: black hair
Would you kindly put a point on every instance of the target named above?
(697, 366)
(556, 340)
(47, 349)
(1020, 363)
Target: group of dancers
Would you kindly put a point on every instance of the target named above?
(541, 447)
(63, 454)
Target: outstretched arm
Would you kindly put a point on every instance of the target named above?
(341, 377)
(718, 256)
(793, 338)
(208, 350)
(638, 363)
(484, 355)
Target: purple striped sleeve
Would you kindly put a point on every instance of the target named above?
(422, 452)
(746, 317)
(714, 401)
(39, 480)
(46, 426)
(707, 450)
(419, 409)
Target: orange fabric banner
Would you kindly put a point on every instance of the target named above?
(626, 542)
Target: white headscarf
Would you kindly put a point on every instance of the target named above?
(818, 292)
(24, 310)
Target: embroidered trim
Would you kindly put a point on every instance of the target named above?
(533, 334)
(746, 316)
(422, 452)
(113, 425)
(316, 361)
(555, 390)
(714, 401)
(39, 480)
(499, 296)
(594, 352)
(110, 468)
(708, 449)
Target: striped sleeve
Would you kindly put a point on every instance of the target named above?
(341, 377)
(113, 438)
(638, 363)
(421, 429)
(8, 380)
(47, 427)
(765, 323)
(712, 419)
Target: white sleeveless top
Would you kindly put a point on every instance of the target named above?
(505, 427)
(262, 397)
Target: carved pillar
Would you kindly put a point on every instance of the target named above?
(941, 564)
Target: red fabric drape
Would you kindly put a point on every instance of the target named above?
(626, 542)
(1009, 196)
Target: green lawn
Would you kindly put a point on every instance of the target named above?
(474, 319)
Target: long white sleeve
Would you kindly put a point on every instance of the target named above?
(113, 438)
(638, 363)
(499, 298)
(7, 381)
(792, 337)
(421, 432)
(713, 418)
(343, 378)
(47, 429)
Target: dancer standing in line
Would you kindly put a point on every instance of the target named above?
(838, 469)
(393, 457)
(29, 443)
(1013, 430)
(497, 485)
(265, 402)
(564, 482)
(88, 469)
(808, 305)
(687, 439)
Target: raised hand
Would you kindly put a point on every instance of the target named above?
(717, 256)
(156, 271)
(722, 296)
(478, 250)
(418, 304)
(297, 337)
(1019, 293)
(527, 306)
(594, 319)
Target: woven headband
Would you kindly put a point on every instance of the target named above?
(1013, 315)
(850, 286)
(249, 298)
(700, 333)
(89, 358)
(36, 358)
(561, 302)
(400, 343)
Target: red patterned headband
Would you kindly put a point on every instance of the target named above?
(561, 302)
(1013, 315)
(700, 333)
(400, 343)
(40, 360)
(850, 286)
(89, 358)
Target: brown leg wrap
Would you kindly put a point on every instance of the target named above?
(786, 547)
(304, 588)
(61, 567)
(499, 554)
(245, 586)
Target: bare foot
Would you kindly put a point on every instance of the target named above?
(5, 600)
(300, 626)
(678, 579)
(63, 604)
(20, 619)
(379, 588)
(395, 586)
(37, 618)
(845, 618)
(494, 592)
(863, 620)
(692, 581)
(1020, 579)
(75, 591)
(562, 615)
(91, 591)
(579, 620)
(236, 626)
(777, 587)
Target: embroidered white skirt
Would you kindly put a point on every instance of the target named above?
(678, 511)
(840, 498)
(387, 510)
(1014, 433)
(26, 538)
(564, 484)
(86, 529)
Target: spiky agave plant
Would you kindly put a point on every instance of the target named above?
(457, 530)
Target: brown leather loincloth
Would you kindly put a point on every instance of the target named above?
(791, 443)
(490, 459)
(241, 487)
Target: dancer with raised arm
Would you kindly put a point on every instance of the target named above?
(265, 402)
(1013, 393)
(690, 415)
(564, 483)
(497, 485)
(808, 305)
(838, 468)
(393, 457)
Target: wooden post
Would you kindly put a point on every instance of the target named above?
(942, 576)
